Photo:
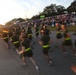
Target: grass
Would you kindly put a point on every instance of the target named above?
(70, 28)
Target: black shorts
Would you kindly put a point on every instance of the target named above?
(17, 45)
(37, 34)
(45, 50)
(67, 43)
(59, 36)
(28, 53)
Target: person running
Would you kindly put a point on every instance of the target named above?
(67, 41)
(41, 30)
(15, 41)
(29, 33)
(46, 30)
(27, 51)
(37, 31)
(45, 43)
(58, 34)
(10, 35)
(5, 37)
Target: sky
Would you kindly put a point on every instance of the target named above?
(10, 9)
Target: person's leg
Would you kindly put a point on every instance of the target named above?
(64, 50)
(45, 52)
(17, 48)
(47, 57)
(17, 51)
(32, 60)
(73, 50)
(23, 59)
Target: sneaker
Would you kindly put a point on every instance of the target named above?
(18, 52)
(24, 64)
(37, 68)
(51, 63)
(50, 50)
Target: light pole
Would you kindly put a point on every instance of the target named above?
(25, 17)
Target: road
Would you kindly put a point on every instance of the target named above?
(11, 64)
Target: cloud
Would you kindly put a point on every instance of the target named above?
(10, 9)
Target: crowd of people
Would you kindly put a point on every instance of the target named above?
(68, 19)
(22, 36)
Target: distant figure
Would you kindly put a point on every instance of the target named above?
(5, 37)
(58, 33)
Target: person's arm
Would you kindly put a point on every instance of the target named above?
(11, 40)
(40, 42)
(23, 50)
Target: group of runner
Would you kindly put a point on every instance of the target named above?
(23, 37)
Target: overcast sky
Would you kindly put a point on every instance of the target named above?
(10, 9)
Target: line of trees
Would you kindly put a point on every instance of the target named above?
(54, 9)
(72, 7)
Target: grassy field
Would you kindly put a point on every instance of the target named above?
(70, 28)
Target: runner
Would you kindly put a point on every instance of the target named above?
(15, 41)
(47, 32)
(5, 37)
(41, 30)
(58, 34)
(37, 31)
(26, 51)
(45, 43)
(29, 33)
(67, 41)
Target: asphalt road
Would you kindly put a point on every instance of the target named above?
(11, 64)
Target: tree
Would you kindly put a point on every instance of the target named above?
(51, 10)
(54, 9)
(72, 7)
(20, 19)
(9, 23)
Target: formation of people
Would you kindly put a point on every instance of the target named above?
(24, 37)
